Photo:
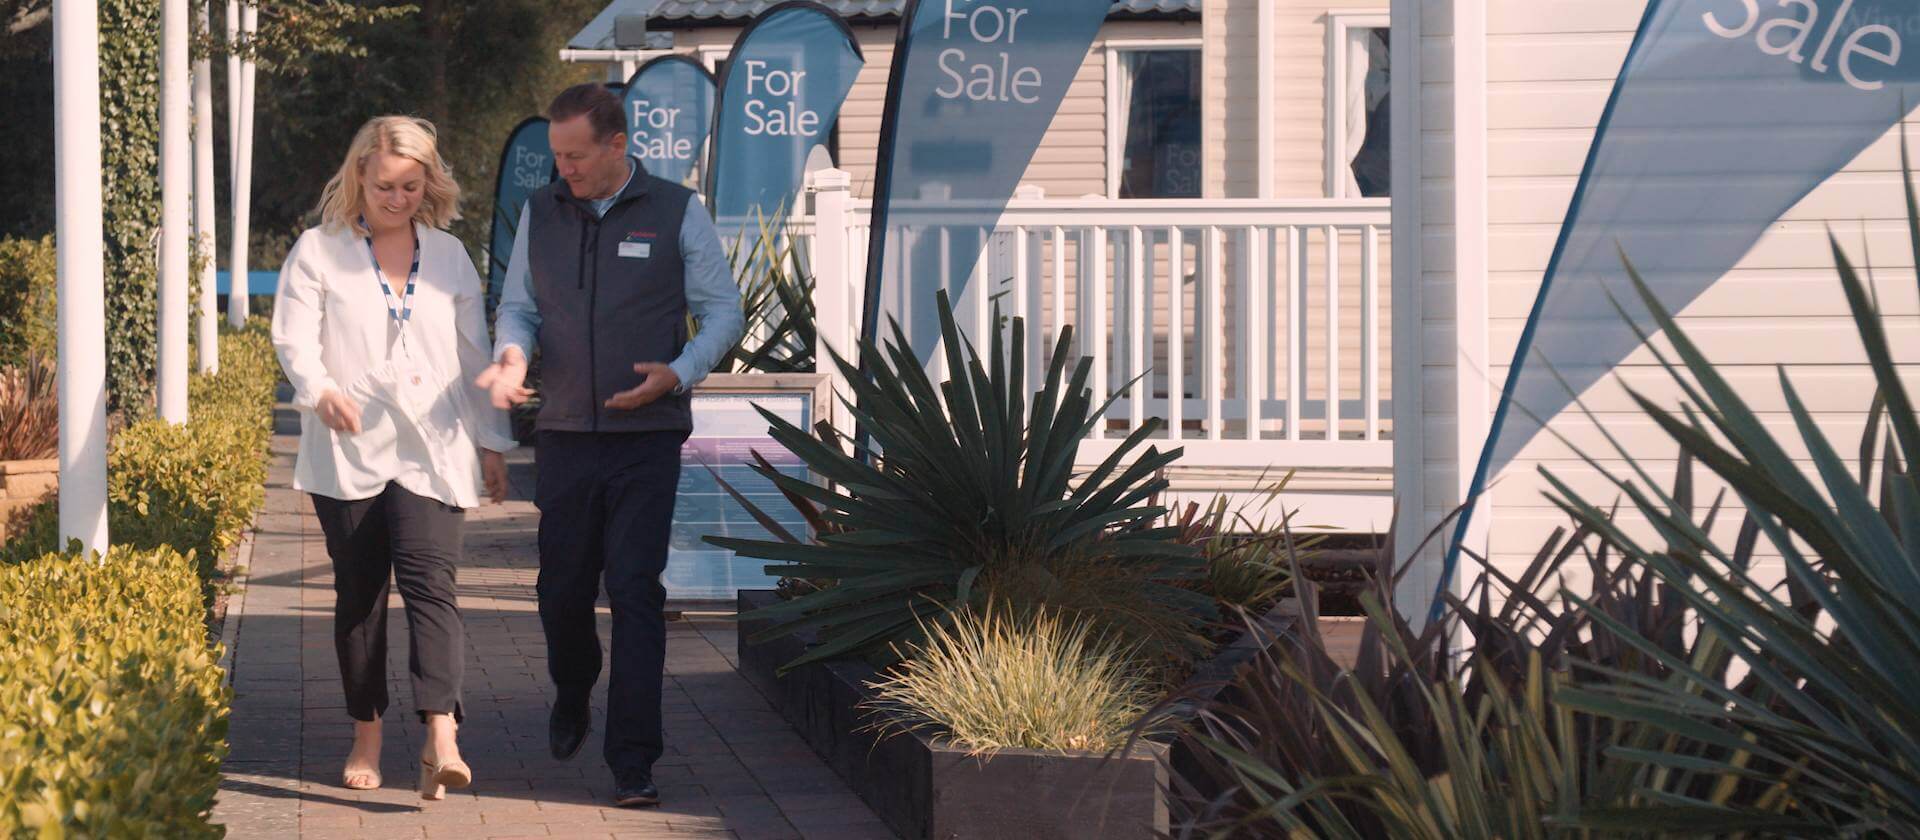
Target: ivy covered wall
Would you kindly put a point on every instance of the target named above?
(130, 163)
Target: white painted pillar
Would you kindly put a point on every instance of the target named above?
(832, 275)
(176, 180)
(1477, 387)
(81, 248)
(242, 179)
(206, 315)
(233, 88)
(1409, 355)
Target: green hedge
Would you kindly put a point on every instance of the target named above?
(193, 487)
(27, 310)
(113, 715)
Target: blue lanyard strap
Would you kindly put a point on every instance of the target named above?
(404, 312)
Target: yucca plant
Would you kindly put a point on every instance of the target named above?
(1417, 740)
(994, 679)
(1479, 764)
(1679, 693)
(1826, 719)
(1250, 562)
(969, 492)
(776, 297)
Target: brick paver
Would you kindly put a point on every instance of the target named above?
(733, 768)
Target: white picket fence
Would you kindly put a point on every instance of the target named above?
(1253, 328)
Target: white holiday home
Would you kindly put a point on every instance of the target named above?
(1280, 274)
(1245, 247)
(1510, 92)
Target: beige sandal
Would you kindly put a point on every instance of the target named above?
(436, 778)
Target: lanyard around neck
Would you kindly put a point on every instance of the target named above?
(402, 311)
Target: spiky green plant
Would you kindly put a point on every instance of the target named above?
(777, 298)
(1250, 561)
(995, 679)
(1680, 693)
(1827, 710)
(1415, 740)
(970, 490)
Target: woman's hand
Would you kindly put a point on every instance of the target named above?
(493, 468)
(338, 412)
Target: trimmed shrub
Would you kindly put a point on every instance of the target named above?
(113, 716)
(193, 487)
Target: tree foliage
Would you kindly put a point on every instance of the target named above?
(290, 33)
(473, 69)
(325, 67)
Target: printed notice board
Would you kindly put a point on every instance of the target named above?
(727, 431)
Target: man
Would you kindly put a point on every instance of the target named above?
(607, 262)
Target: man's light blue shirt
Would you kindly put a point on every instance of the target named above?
(712, 295)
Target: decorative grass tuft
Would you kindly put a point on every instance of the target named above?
(1002, 680)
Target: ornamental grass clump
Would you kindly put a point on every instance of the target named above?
(998, 679)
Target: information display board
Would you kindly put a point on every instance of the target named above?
(727, 431)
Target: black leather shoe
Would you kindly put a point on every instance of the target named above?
(635, 790)
(567, 728)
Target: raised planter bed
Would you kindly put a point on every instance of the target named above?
(22, 485)
(926, 790)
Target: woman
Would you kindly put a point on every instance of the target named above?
(380, 325)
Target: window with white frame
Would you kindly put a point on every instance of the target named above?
(1359, 79)
(1153, 123)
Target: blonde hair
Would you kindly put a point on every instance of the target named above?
(408, 137)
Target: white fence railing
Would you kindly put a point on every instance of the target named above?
(1253, 328)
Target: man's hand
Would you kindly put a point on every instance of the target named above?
(660, 380)
(505, 379)
(493, 468)
(338, 412)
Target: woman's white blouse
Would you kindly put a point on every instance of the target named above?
(420, 413)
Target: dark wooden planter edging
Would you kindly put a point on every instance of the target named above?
(927, 790)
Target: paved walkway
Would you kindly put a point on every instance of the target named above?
(734, 767)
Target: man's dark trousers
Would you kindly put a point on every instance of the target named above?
(606, 506)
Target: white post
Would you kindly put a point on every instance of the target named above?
(233, 87)
(1476, 387)
(834, 319)
(203, 209)
(176, 179)
(80, 253)
(242, 179)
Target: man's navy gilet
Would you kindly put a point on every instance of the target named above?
(604, 307)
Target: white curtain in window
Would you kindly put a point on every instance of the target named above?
(1129, 70)
(1366, 50)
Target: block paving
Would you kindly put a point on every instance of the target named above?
(734, 768)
